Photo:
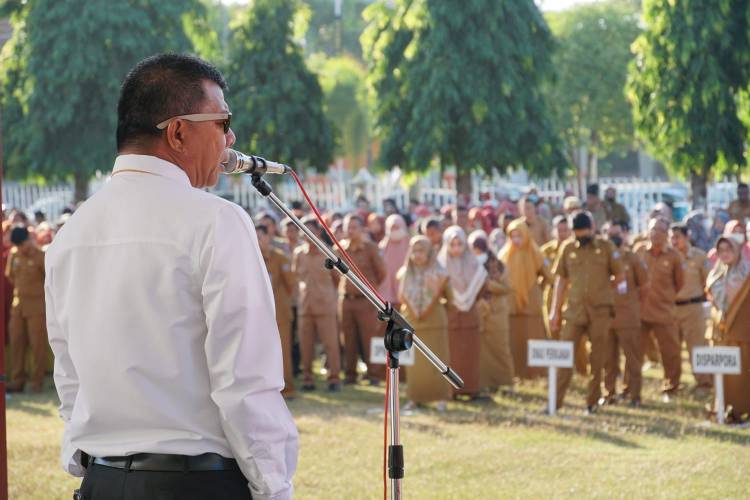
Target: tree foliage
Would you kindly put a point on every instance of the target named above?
(276, 99)
(61, 75)
(333, 36)
(591, 65)
(343, 80)
(691, 65)
(460, 81)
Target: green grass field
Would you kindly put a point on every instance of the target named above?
(506, 448)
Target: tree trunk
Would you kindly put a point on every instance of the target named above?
(593, 160)
(698, 188)
(81, 186)
(463, 184)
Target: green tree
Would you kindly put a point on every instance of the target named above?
(334, 35)
(588, 95)
(277, 100)
(460, 81)
(63, 77)
(343, 80)
(691, 64)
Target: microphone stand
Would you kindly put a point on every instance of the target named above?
(399, 336)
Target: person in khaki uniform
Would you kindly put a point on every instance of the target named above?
(689, 312)
(27, 327)
(665, 277)
(283, 284)
(585, 267)
(359, 320)
(317, 310)
(625, 331)
(550, 250)
(538, 228)
(616, 212)
(495, 358)
(739, 209)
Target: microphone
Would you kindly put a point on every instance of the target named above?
(239, 163)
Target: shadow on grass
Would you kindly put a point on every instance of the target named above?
(34, 404)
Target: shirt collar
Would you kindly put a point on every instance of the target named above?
(152, 165)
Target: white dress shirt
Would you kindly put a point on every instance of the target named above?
(161, 318)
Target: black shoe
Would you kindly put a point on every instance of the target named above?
(373, 382)
(350, 382)
(334, 387)
(308, 387)
(13, 389)
(592, 409)
(635, 404)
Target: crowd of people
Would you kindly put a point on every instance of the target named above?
(477, 283)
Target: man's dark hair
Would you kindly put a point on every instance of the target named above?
(681, 227)
(260, 228)
(741, 185)
(593, 189)
(18, 235)
(430, 222)
(158, 88)
(355, 217)
(581, 220)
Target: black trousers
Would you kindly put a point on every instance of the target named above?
(109, 483)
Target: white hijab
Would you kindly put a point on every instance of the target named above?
(466, 274)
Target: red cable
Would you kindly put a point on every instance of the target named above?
(374, 290)
(344, 254)
(385, 428)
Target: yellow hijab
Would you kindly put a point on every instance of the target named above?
(523, 262)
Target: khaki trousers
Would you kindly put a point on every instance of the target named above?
(285, 332)
(359, 323)
(691, 325)
(27, 328)
(595, 323)
(629, 339)
(324, 328)
(668, 340)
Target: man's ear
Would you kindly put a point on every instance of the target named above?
(176, 132)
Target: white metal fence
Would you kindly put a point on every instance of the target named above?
(338, 191)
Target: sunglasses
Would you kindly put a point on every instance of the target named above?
(224, 118)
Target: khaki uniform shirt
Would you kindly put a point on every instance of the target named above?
(739, 211)
(616, 212)
(665, 277)
(695, 267)
(317, 284)
(283, 282)
(627, 294)
(589, 270)
(367, 258)
(539, 231)
(26, 271)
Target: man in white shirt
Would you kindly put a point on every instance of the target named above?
(160, 313)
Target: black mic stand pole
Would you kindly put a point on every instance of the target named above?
(399, 336)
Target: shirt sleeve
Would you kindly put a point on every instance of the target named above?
(558, 267)
(679, 273)
(378, 265)
(243, 351)
(66, 379)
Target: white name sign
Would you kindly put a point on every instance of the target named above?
(716, 360)
(378, 353)
(556, 353)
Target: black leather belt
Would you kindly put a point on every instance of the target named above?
(694, 300)
(157, 462)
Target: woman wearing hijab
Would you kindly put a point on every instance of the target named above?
(393, 248)
(466, 277)
(527, 273)
(423, 290)
(495, 358)
(734, 230)
(728, 287)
